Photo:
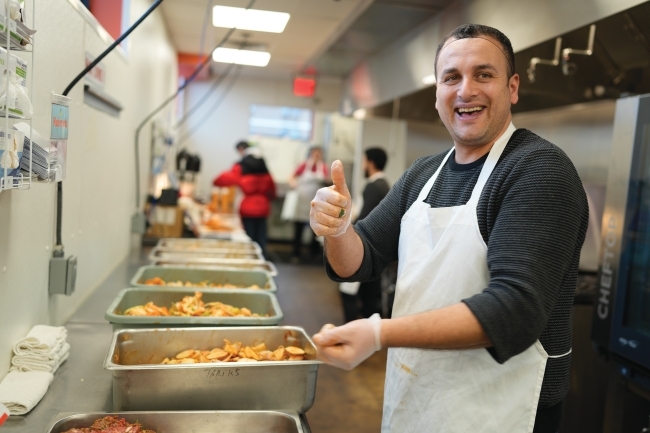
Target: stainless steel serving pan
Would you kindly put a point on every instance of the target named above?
(267, 267)
(258, 301)
(195, 422)
(140, 382)
(237, 277)
(207, 245)
(216, 256)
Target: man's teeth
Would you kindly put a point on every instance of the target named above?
(469, 110)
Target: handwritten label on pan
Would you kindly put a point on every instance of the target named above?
(219, 373)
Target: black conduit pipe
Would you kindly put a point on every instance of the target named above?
(58, 249)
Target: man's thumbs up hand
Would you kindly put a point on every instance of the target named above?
(338, 179)
(330, 209)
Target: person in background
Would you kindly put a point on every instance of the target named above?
(369, 292)
(308, 178)
(253, 178)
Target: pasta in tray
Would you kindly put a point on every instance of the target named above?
(191, 306)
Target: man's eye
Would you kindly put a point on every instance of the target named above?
(450, 78)
(484, 76)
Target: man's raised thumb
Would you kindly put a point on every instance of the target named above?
(338, 177)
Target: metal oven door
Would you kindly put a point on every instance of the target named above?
(630, 324)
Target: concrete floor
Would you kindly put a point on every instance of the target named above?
(349, 401)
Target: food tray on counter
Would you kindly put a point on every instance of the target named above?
(204, 232)
(140, 382)
(267, 267)
(257, 301)
(174, 255)
(197, 421)
(206, 245)
(196, 275)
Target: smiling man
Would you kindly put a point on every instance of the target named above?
(488, 238)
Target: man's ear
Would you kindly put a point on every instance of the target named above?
(513, 86)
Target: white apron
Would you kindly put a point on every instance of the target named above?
(309, 183)
(442, 260)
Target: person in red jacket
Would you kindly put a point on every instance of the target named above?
(253, 178)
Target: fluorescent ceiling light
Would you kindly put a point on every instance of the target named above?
(249, 19)
(429, 79)
(241, 57)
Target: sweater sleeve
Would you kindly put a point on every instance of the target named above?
(229, 178)
(542, 205)
(271, 193)
(300, 170)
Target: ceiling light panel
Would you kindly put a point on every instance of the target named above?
(241, 57)
(249, 19)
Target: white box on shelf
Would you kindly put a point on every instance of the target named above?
(18, 103)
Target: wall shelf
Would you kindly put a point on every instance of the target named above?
(16, 37)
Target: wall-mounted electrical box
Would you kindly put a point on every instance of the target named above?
(63, 275)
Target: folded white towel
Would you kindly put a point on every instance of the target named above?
(54, 353)
(41, 339)
(41, 362)
(20, 392)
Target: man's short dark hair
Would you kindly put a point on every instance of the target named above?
(469, 31)
(315, 148)
(242, 145)
(377, 156)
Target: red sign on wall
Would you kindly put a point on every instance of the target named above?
(305, 87)
(96, 75)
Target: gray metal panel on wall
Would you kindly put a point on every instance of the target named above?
(625, 125)
(398, 69)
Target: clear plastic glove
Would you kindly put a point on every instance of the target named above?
(349, 345)
(330, 213)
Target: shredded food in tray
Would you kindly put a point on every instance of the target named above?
(157, 281)
(111, 424)
(192, 306)
(236, 352)
(218, 224)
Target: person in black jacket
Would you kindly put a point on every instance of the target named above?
(369, 292)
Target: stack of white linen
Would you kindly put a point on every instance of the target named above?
(36, 358)
(43, 349)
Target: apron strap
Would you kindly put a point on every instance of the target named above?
(561, 356)
(490, 163)
(486, 171)
(424, 192)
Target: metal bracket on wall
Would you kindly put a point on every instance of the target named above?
(569, 68)
(537, 61)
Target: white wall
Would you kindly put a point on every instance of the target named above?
(583, 131)
(216, 139)
(99, 191)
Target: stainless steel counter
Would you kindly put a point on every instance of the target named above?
(82, 384)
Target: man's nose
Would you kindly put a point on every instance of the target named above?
(467, 89)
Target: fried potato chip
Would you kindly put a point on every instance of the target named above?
(293, 350)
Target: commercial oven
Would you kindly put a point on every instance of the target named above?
(621, 321)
